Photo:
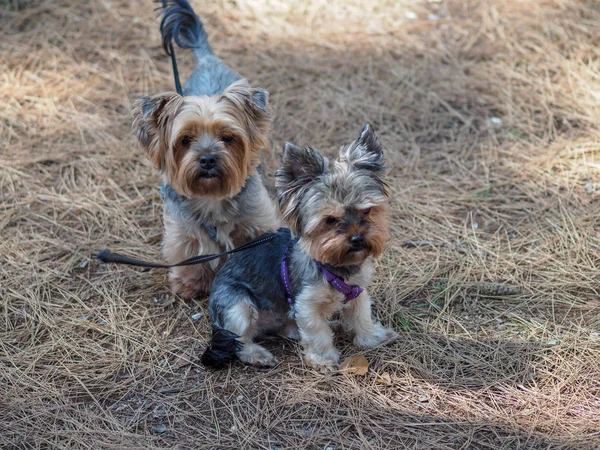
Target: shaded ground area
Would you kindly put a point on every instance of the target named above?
(489, 113)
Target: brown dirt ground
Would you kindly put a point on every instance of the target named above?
(490, 120)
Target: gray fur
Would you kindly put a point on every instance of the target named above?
(366, 152)
(305, 181)
(306, 178)
(207, 212)
(211, 75)
(256, 274)
(299, 167)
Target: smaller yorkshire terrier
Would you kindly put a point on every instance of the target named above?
(294, 285)
(206, 147)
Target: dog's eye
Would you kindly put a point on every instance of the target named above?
(366, 211)
(227, 138)
(330, 220)
(186, 141)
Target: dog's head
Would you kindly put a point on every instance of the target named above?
(337, 208)
(205, 146)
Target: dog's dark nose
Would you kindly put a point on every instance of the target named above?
(357, 241)
(207, 162)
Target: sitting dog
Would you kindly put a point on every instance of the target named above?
(337, 212)
(206, 146)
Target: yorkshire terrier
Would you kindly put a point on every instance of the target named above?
(336, 210)
(206, 146)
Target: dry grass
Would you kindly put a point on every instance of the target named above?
(500, 343)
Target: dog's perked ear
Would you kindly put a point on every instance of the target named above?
(152, 123)
(366, 152)
(299, 167)
(251, 108)
(299, 164)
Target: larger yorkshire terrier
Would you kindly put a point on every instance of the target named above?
(206, 147)
(337, 211)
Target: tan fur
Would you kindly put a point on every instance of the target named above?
(315, 306)
(153, 120)
(236, 130)
(325, 244)
(243, 320)
(170, 117)
(182, 241)
(378, 230)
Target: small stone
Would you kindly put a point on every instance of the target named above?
(594, 336)
(410, 15)
(159, 412)
(496, 121)
(83, 264)
(384, 378)
(239, 398)
(159, 429)
(553, 341)
(103, 322)
(423, 399)
(197, 316)
(88, 317)
(433, 17)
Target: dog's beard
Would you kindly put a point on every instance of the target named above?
(225, 180)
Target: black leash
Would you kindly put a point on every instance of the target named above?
(106, 256)
(171, 53)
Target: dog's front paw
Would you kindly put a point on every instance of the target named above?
(376, 337)
(328, 362)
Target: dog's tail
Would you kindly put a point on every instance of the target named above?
(222, 348)
(181, 24)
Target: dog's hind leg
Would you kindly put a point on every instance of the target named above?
(178, 245)
(242, 319)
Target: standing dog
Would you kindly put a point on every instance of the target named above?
(206, 147)
(337, 211)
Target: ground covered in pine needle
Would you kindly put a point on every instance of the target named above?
(489, 112)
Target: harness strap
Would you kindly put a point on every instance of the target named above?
(285, 277)
(350, 291)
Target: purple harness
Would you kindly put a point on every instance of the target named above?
(350, 291)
